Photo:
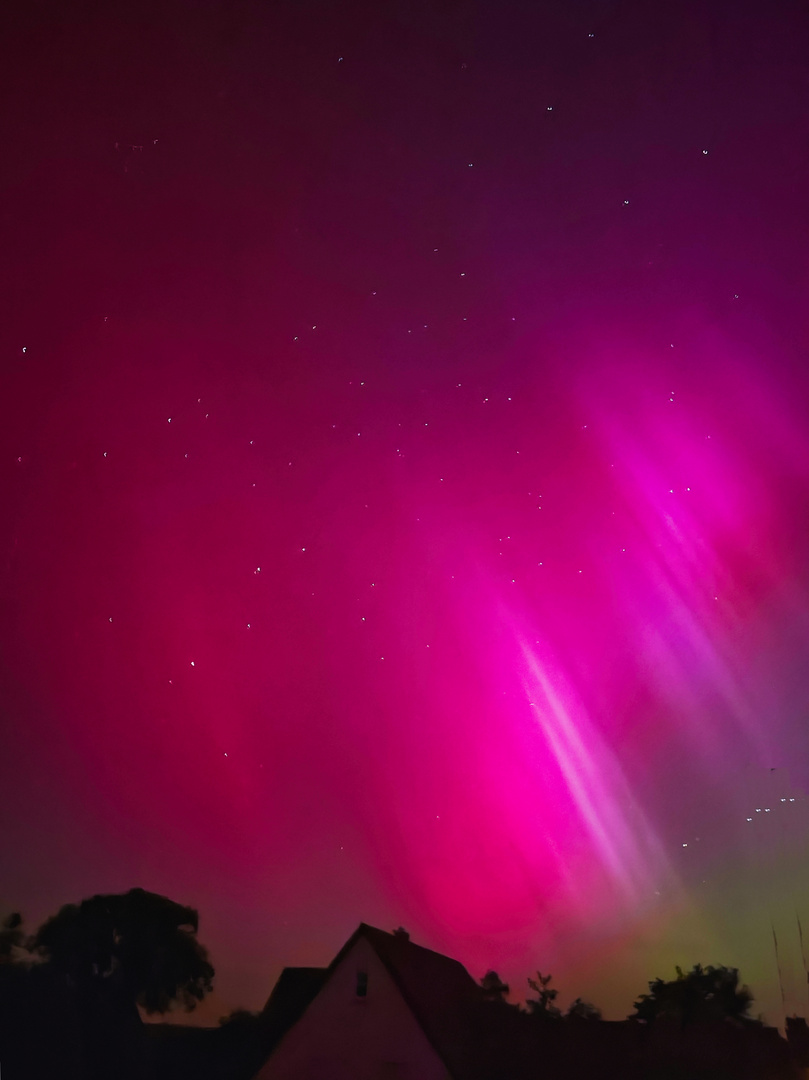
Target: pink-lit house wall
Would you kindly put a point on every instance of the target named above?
(346, 1036)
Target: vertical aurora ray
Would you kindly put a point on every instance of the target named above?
(620, 835)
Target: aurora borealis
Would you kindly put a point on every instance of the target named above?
(405, 471)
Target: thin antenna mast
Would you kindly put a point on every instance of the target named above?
(778, 967)
(803, 953)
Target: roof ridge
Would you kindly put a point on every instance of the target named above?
(412, 1003)
(392, 952)
(408, 942)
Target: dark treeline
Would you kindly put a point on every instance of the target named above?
(72, 995)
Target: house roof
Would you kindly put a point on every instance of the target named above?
(291, 995)
(490, 1040)
(440, 992)
(476, 1039)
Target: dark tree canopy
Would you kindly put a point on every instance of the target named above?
(137, 947)
(700, 995)
(11, 936)
(493, 987)
(543, 1004)
(582, 1010)
(240, 1017)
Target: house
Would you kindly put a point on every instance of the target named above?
(384, 1009)
(387, 1009)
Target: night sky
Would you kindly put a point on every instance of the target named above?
(404, 479)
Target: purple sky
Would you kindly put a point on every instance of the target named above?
(404, 467)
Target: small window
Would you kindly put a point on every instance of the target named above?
(362, 984)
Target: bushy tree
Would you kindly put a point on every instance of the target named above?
(39, 1023)
(493, 987)
(239, 1017)
(138, 948)
(700, 995)
(12, 937)
(582, 1010)
(543, 1004)
(115, 953)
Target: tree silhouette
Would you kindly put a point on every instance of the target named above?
(39, 1022)
(117, 953)
(582, 1010)
(138, 947)
(493, 987)
(12, 937)
(240, 1017)
(700, 995)
(543, 1004)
